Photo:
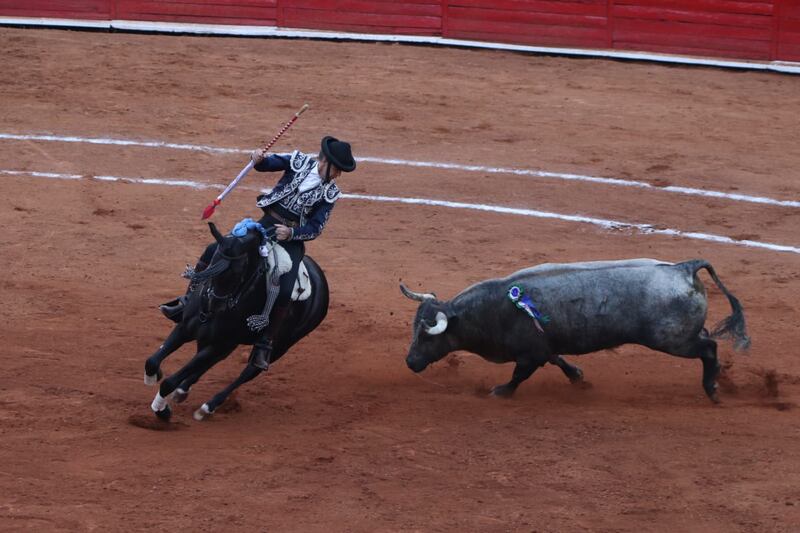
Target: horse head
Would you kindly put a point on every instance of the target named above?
(235, 259)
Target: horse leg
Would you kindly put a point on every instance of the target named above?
(182, 391)
(209, 407)
(206, 357)
(152, 366)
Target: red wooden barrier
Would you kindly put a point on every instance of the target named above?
(71, 9)
(747, 29)
(698, 27)
(581, 23)
(253, 12)
(788, 31)
(421, 17)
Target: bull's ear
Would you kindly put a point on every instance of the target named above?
(451, 315)
(215, 232)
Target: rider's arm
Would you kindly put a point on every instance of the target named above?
(314, 224)
(274, 163)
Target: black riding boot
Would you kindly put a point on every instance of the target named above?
(261, 355)
(174, 308)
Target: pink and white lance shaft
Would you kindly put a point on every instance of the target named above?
(209, 210)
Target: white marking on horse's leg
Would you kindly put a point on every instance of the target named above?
(150, 380)
(202, 412)
(159, 403)
(180, 395)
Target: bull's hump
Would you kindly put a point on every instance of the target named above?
(564, 268)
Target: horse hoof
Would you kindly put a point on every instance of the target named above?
(713, 396)
(202, 412)
(180, 395)
(151, 380)
(711, 391)
(502, 391)
(165, 414)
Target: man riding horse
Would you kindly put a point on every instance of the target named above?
(296, 210)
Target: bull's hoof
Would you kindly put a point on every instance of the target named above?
(576, 377)
(202, 412)
(503, 391)
(165, 414)
(180, 395)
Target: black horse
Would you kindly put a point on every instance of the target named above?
(223, 296)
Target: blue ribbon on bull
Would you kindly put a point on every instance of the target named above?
(522, 301)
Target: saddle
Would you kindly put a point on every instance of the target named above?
(302, 287)
(280, 259)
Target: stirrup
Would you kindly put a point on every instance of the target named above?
(173, 309)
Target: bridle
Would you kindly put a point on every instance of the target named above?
(208, 294)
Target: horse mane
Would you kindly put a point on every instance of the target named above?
(219, 263)
(212, 270)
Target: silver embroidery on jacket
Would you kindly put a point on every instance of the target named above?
(304, 165)
(299, 203)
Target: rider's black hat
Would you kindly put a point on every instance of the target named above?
(338, 153)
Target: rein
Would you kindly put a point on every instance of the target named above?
(223, 262)
(233, 297)
(216, 268)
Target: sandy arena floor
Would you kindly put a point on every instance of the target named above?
(341, 436)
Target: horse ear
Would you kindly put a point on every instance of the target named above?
(215, 232)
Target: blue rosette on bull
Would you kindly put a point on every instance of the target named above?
(524, 302)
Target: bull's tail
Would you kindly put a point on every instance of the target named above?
(732, 327)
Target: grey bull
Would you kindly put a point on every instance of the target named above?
(581, 308)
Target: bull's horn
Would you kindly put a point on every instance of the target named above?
(418, 296)
(441, 325)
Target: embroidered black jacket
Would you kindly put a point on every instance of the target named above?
(312, 207)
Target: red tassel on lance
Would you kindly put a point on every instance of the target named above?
(209, 210)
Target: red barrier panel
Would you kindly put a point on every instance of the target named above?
(420, 17)
(70, 9)
(788, 31)
(746, 29)
(705, 27)
(567, 23)
(252, 12)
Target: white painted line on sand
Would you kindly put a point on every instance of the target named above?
(607, 224)
(119, 142)
(424, 164)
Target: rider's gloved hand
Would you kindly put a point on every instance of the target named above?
(257, 155)
(283, 233)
